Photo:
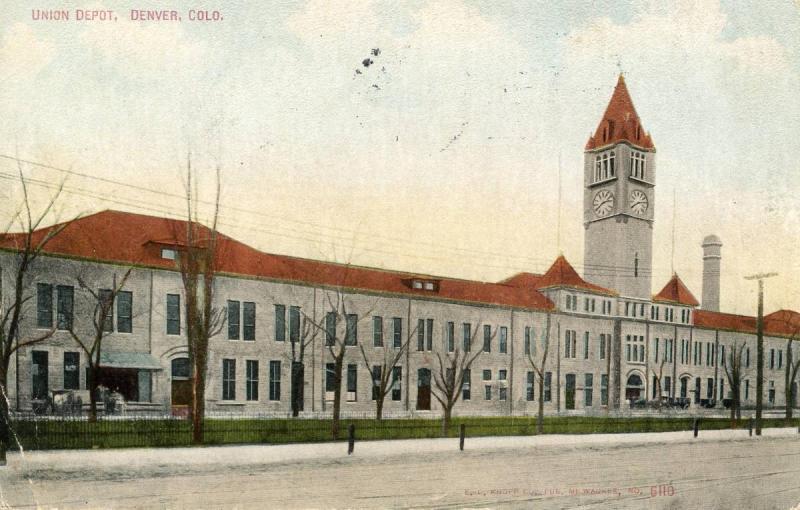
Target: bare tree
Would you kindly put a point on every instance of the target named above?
(448, 379)
(539, 368)
(734, 372)
(301, 336)
(659, 376)
(27, 245)
(102, 302)
(382, 377)
(792, 367)
(197, 262)
(338, 311)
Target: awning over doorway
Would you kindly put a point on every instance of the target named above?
(140, 360)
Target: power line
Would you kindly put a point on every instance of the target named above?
(538, 262)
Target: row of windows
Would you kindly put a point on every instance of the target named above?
(589, 304)
(638, 162)
(65, 303)
(251, 380)
(604, 167)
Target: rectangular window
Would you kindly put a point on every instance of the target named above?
(450, 337)
(655, 351)
(747, 389)
(352, 382)
(527, 345)
(604, 389)
(487, 375)
(72, 361)
(275, 380)
(548, 378)
(586, 345)
(771, 393)
(668, 385)
(377, 331)
(397, 332)
(502, 374)
(503, 345)
(173, 314)
(330, 378)
(429, 335)
(228, 379)
(747, 358)
(502, 393)
(421, 334)
(44, 305)
(105, 306)
(40, 378)
(65, 294)
(602, 346)
(294, 324)
(233, 320)
(771, 359)
(248, 321)
(467, 329)
(710, 388)
(330, 328)
(466, 387)
(124, 311)
(587, 389)
(280, 323)
(397, 381)
(780, 359)
(351, 329)
(487, 392)
(376, 381)
(531, 377)
(252, 379)
(487, 338)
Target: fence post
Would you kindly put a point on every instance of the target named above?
(461, 433)
(750, 426)
(351, 438)
(696, 426)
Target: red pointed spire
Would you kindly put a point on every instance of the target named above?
(676, 292)
(620, 122)
(562, 274)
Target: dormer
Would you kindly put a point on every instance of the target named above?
(423, 284)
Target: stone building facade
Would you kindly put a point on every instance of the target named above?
(610, 341)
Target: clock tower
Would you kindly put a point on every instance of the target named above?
(619, 185)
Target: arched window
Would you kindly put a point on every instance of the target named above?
(605, 166)
(598, 168)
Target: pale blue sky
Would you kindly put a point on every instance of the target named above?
(442, 156)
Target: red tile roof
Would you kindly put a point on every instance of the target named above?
(676, 292)
(620, 122)
(784, 323)
(562, 274)
(127, 238)
(522, 280)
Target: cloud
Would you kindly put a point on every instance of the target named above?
(145, 49)
(23, 54)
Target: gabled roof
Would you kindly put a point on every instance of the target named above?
(136, 239)
(620, 122)
(562, 274)
(785, 322)
(676, 292)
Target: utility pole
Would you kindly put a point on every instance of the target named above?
(760, 346)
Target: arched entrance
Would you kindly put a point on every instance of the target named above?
(424, 389)
(634, 387)
(181, 387)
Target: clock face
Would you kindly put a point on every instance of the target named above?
(638, 202)
(603, 202)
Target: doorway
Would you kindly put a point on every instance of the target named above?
(181, 387)
(633, 388)
(570, 391)
(423, 389)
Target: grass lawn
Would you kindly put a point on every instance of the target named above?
(57, 434)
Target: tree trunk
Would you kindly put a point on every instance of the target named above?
(198, 397)
(379, 408)
(5, 419)
(92, 385)
(540, 414)
(337, 395)
(448, 413)
(297, 387)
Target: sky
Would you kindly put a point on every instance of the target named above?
(443, 155)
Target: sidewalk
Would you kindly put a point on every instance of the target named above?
(243, 455)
